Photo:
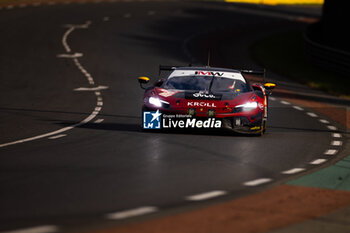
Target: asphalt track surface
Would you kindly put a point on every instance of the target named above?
(72, 157)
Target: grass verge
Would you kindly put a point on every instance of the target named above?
(283, 54)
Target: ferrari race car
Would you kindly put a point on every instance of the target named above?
(206, 97)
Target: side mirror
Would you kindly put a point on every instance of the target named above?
(269, 86)
(143, 80)
(159, 82)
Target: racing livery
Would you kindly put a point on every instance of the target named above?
(208, 92)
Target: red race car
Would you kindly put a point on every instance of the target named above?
(206, 97)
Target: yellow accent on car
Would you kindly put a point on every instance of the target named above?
(269, 85)
(144, 78)
(255, 128)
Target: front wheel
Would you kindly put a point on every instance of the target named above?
(262, 128)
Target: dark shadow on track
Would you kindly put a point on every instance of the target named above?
(63, 112)
(205, 132)
(137, 128)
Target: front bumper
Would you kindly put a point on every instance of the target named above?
(243, 124)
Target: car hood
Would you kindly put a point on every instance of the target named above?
(198, 95)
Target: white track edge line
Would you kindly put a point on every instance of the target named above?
(206, 195)
(132, 212)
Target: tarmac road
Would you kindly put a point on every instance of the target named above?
(71, 156)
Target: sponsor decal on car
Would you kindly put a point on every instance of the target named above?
(202, 96)
(209, 73)
(201, 104)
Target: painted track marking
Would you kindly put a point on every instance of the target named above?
(86, 120)
(58, 136)
(206, 195)
(64, 39)
(318, 161)
(331, 127)
(323, 121)
(336, 135)
(257, 182)
(330, 152)
(298, 108)
(311, 114)
(285, 102)
(99, 103)
(293, 171)
(38, 229)
(336, 143)
(71, 28)
(84, 71)
(98, 88)
(98, 121)
(132, 212)
(67, 55)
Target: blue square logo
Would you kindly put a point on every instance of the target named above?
(152, 120)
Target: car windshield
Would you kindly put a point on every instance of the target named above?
(203, 83)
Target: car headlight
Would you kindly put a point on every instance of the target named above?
(156, 101)
(248, 106)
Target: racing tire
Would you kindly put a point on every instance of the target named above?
(262, 128)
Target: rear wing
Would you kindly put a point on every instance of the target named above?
(170, 68)
(256, 72)
(167, 68)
